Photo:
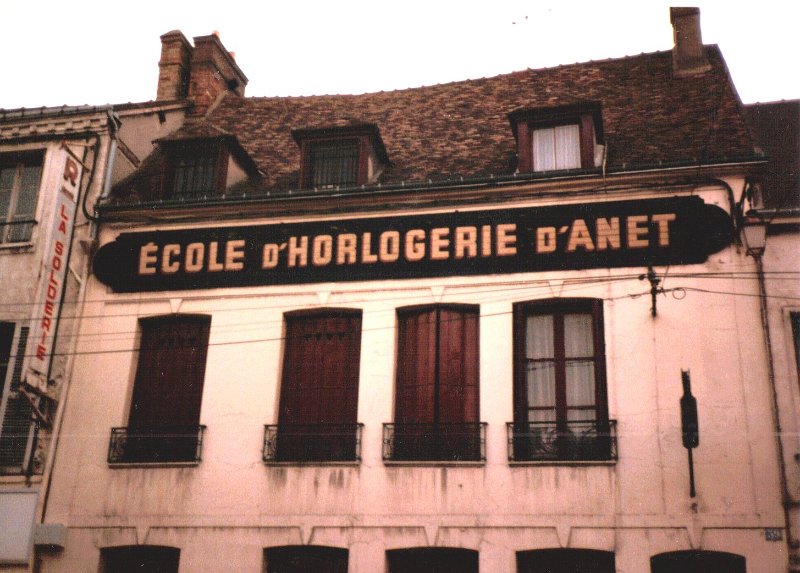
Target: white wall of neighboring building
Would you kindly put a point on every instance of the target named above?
(226, 510)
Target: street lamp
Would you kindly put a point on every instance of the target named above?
(754, 236)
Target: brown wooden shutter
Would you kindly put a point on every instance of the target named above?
(169, 378)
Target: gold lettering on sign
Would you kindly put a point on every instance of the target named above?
(195, 253)
(546, 240)
(637, 233)
(322, 250)
(663, 220)
(367, 256)
(389, 249)
(486, 241)
(170, 259)
(439, 243)
(506, 240)
(579, 237)
(415, 245)
(608, 236)
(346, 249)
(214, 264)
(148, 259)
(234, 255)
(298, 252)
(269, 256)
(466, 242)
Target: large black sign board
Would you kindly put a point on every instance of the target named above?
(676, 230)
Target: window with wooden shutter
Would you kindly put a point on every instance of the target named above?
(16, 420)
(318, 416)
(164, 421)
(437, 398)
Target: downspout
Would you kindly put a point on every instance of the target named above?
(791, 541)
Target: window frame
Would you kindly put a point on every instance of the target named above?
(586, 116)
(559, 307)
(197, 154)
(146, 440)
(372, 156)
(11, 390)
(20, 161)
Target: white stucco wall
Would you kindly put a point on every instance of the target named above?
(231, 506)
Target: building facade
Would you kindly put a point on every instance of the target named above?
(55, 164)
(493, 325)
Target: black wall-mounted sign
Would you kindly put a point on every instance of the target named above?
(676, 230)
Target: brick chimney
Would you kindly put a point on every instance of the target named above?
(173, 67)
(200, 73)
(688, 54)
(213, 71)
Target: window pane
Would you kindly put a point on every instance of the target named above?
(580, 382)
(6, 186)
(544, 150)
(578, 339)
(335, 163)
(28, 191)
(539, 337)
(568, 147)
(541, 384)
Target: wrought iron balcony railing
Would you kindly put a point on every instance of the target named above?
(312, 443)
(573, 441)
(435, 442)
(156, 445)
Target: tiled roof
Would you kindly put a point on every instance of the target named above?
(462, 129)
(776, 129)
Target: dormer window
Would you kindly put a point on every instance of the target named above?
(195, 169)
(340, 156)
(334, 162)
(553, 139)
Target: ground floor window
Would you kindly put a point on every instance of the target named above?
(305, 559)
(697, 562)
(565, 561)
(16, 422)
(140, 559)
(432, 560)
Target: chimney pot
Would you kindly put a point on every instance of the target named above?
(688, 54)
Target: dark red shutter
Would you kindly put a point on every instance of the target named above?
(169, 379)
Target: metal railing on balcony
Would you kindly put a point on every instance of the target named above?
(312, 443)
(156, 445)
(571, 441)
(435, 442)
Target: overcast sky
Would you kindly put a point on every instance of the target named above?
(98, 52)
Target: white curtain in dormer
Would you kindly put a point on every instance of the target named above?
(557, 148)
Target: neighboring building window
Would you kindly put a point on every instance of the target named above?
(694, 561)
(432, 560)
(16, 424)
(318, 413)
(164, 422)
(305, 559)
(557, 147)
(558, 138)
(560, 404)
(139, 559)
(335, 162)
(20, 177)
(565, 561)
(196, 169)
(436, 404)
